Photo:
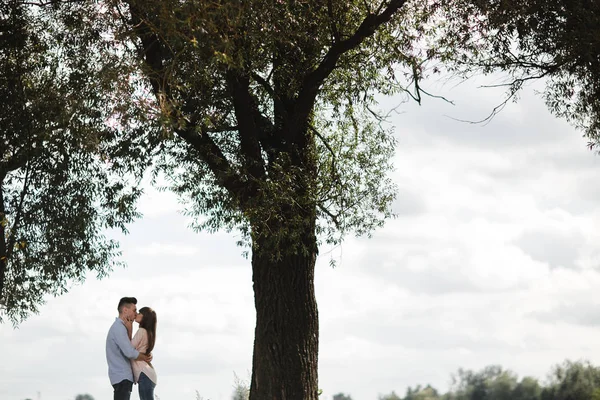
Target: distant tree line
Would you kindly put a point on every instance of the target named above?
(571, 380)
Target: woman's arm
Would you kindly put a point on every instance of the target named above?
(140, 340)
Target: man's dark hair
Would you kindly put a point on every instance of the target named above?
(125, 301)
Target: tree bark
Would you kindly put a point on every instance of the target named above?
(286, 341)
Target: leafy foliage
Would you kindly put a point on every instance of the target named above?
(532, 39)
(341, 396)
(267, 106)
(573, 381)
(59, 193)
(84, 397)
(568, 381)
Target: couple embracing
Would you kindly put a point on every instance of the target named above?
(130, 359)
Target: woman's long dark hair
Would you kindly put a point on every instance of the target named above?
(149, 324)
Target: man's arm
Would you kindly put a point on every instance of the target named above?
(124, 344)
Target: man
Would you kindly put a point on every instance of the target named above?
(119, 350)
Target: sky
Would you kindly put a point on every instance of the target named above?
(492, 259)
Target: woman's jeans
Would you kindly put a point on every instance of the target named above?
(146, 387)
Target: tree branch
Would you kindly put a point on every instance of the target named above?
(19, 160)
(326, 144)
(334, 217)
(15, 226)
(515, 85)
(334, 30)
(195, 135)
(212, 155)
(246, 111)
(313, 81)
(265, 84)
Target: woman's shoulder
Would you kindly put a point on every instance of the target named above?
(141, 332)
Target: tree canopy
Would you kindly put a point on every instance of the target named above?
(58, 194)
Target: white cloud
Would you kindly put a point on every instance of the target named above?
(164, 249)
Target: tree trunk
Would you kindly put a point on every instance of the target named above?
(286, 342)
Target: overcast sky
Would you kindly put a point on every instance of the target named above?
(492, 260)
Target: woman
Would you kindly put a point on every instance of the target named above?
(143, 372)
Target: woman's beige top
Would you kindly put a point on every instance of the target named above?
(140, 342)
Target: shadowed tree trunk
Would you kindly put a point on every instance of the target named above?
(287, 324)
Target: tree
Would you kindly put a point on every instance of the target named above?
(573, 381)
(528, 389)
(558, 41)
(341, 396)
(240, 389)
(57, 194)
(492, 383)
(265, 114)
(391, 396)
(421, 393)
(84, 397)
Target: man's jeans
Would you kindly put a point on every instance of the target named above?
(146, 387)
(123, 390)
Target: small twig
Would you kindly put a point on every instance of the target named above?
(333, 157)
(334, 29)
(221, 129)
(334, 218)
(264, 83)
(49, 2)
(12, 239)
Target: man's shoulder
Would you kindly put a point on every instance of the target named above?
(117, 325)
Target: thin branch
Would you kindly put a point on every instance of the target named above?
(385, 118)
(334, 30)
(15, 226)
(316, 132)
(220, 129)
(515, 86)
(213, 156)
(267, 86)
(326, 144)
(434, 96)
(487, 119)
(123, 19)
(519, 81)
(367, 6)
(19, 160)
(49, 2)
(334, 217)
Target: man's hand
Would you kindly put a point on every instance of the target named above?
(129, 327)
